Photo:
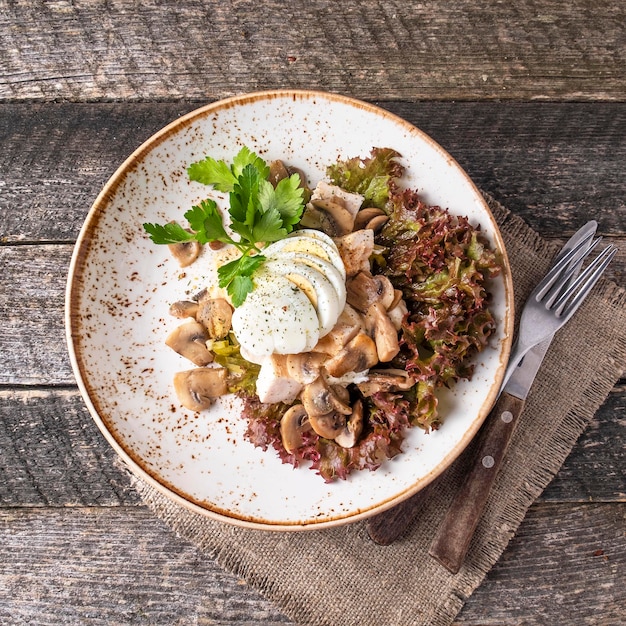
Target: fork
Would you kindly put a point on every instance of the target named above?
(557, 297)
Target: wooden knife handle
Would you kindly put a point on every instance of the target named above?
(451, 544)
(387, 526)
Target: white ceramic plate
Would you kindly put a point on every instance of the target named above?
(121, 285)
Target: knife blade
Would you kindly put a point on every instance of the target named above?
(387, 526)
(451, 544)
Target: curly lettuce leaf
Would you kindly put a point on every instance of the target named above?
(373, 177)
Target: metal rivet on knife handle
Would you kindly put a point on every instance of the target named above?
(452, 542)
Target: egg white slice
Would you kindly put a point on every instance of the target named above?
(276, 317)
(325, 267)
(318, 289)
(323, 248)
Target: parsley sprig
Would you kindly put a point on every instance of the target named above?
(259, 213)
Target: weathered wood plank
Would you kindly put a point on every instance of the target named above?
(54, 455)
(555, 165)
(441, 50)
(121, 565)
(597, 460)
(114, 566)
(564, 566)
(32, 288)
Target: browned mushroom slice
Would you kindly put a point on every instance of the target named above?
(189, 340)
(355, 250)
(197, 388)
(385, 380)
(293, 423)
(386, 292)
(278, 171)
(328, 216)
(358, 355)
(185, 252)
(215, 314)
(305, 367)
(376, 223)
(351, 432)
(320, 399)
(363, 289)
(397, 296)
(366, 215)
(383, 331)
(184, 308)
(328, 426)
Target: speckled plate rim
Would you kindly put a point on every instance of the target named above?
(90, 397)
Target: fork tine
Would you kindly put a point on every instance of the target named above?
(584, 284)
(569, 275)
(571, 259)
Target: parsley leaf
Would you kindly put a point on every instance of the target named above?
(168, 233)
(206, 221)
(259, 213)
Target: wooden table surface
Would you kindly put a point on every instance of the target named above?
(529, 96)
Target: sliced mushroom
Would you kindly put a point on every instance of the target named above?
(185, 252)
(197, 388)
(320, 399)
(215, 314)
(189, 340)
(363, 289)
(328, 426)
(278, 171)
(355, 250)
(328, 216)
(365, 216)
(358, 355)
(385, 380)
(305, 367)
(351, 432)
(184, 308)
(376, 223)
(293, 423)
(383, 331)
(397, 296)
(386, 292)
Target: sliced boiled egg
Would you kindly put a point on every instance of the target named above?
(324, 248)
(276, 317)
(329, 270)
(315, 285)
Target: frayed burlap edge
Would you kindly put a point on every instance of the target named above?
(439, 596)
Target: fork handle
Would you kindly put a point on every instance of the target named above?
(453, 538)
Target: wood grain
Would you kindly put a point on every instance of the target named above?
(555, 165)
(103, 566)
(190, 49)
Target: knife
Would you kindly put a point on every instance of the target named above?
(454, 535)
(387, 526)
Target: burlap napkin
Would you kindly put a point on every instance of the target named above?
(340, 577)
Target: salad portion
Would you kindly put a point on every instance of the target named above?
(340, 310)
